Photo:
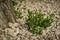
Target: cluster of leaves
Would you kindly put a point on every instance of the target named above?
(14, 2)
(18, 13)
(36, 22)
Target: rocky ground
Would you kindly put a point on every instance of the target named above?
(18, 31)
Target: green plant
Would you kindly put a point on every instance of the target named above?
(18, 14)
(14, 2)
(36, 22)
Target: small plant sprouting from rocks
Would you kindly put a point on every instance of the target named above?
(37, 23)
(18, 13)
(14, 2)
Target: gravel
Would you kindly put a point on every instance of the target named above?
(18, 31)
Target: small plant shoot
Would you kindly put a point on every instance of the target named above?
(37, 23)
(18, 14)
